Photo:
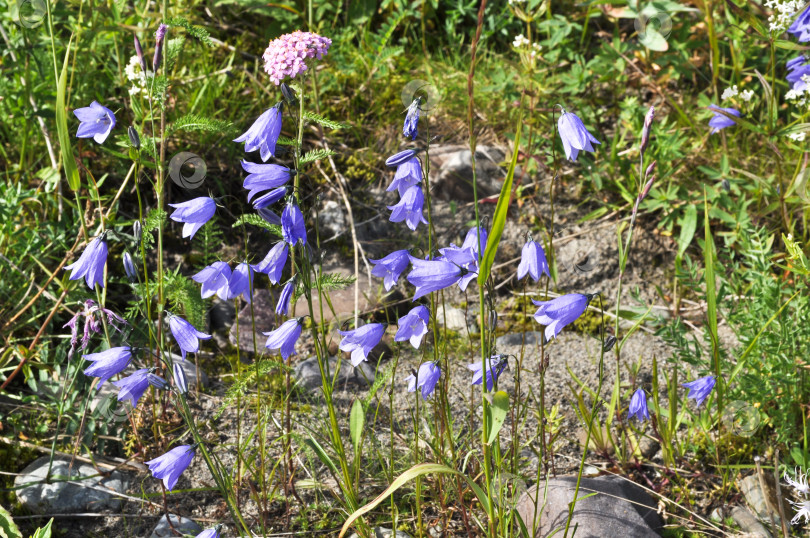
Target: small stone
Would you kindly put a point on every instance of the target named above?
(530, 338)
(331, 220)
(221, 315)
(453, 318)
(60, 496)
(590, 470)
(716, 515)
(307, 374)
(452, 172)
(183, 525)
(763, 504)
(748, 523)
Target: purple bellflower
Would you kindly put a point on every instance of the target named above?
(699, 389)
(270, 198)
(90, 264)
(801, 26)
(292, 225)
(96, 122)
(210, 533)
(432, 275)
(160, 34)
(476, 241)
(263, 177)
(241, 282)
(273, 264)
(361, 341)
(407, 175)
(410, 128)
(284, 337)
(533, 261)
(465, 259)
(496, 365)
(721, 121)
(283, 305)
(108, 363)
(413, 326)
(171, 465)
(129, 267)
(425, 379)
(557, 313)
(157, 381)
(264, 132)
(133, 386)
(180, 380)
(398, 158)
(575, 137)
(194, 214)
(638, 406)
(390, 267)
(214, 280)
(409, 208)
(187, 337)
(269, 216)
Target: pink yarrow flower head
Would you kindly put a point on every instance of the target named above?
(286, 56)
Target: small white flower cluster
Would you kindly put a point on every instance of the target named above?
(517, 2)
(802, 490)
(136, 76)
(783, 12)
(800, 96)
(745, 95)
(521, 41)
(797, 137)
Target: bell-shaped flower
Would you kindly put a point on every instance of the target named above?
(284, 298)
(801, 26)
(129, 267)
(180, 380)
(264, 132)
(391, 267)
(638, 406)
(699, 389)
(171, 465)
(269, 198)
(263, 177)
(720, 121)
(133, 386)
(476, 241)
(401, 157)
(361, 341)
(273, 264)
(411, 125)
(409, 208)
(90, 264)
(210, 533)
(465, 259)
(433, 275)
(425, 379)
(575, 137)
(533, 261)
(413, 326)
(187, 337)
(96, 122)
(241, 282)
(269, 216)
(559, 312)
(495, 365)
(292, 225)
(284, 338)
(194, 214)
(407, 175)
(214, 280)
(108, 363)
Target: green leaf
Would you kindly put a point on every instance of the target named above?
(8, 529)
(789, 45)
(653, 40)
(496, 413)
(195, 122)
(69, 164)
(257, 220)
(750, 18)
(321, 453)
(197, 32)
(316, 155)
(501, 210)
(44, 532)
(357, 418)
(688, 228)
(711, 291)
(316, 118)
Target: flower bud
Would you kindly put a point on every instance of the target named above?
(288, 93)
(726, 185)
(647, 188)
(139, 52)
(180, 382)
(157, 381)
(137, 231)
(649, 170)
(129, 267)
(134, 139)
(159, 35)
(610, 341)
(645, 131)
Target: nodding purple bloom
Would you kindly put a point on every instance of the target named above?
(559, 312)
(638, 406)
(241, 282)
(171, 465)
(129, 267)
(284, 299)
(425, 378)
(264, 132)
(108, 363)
(269, 216)
(90, 264)
(432, 275)
(699, 389)
(273, 264)
(187, 337)
(270, 198)
(284, 338)
(401, 157)
(194, 214)
(214, 280)
(797, 68)
(721, 121)
(407, 175)
(465, 259)
(495, 366)
(361, 341)
(410, 128)
(475, 242)
(133, 386)
(533, 261)
(292, 225)
(180, 381)
(413, 326)
(159, 35)
(96, 122)
(801, 26)
(157, 381)
(263, 177)
(575, 137)
(139, 53)
(210, 533)
(390, 267)
(409, 208)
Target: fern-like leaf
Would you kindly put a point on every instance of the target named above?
(197, 32)
(316, 118)
(257, 220)
(195, 122)
(316, 155)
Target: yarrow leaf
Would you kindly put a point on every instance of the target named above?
(197, 32)
(311, 116)
(316, 155)
(195, 122)
(257, 220)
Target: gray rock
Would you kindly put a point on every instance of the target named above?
(192, 373)
(383, 532)
(453, 179)
(454, 318)
(763, 504)
(748, 523)
(331, 220)
(308, 375)
(620, 508)
(90, 494)
(532, 338)
(181, 524)
(221, 315)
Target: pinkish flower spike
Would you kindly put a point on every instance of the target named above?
(286, 56)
